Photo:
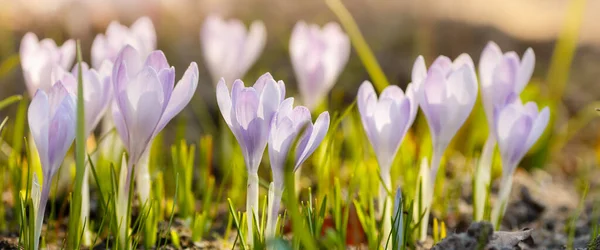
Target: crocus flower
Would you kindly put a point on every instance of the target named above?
(447, 96)
(146, 98)
(518, 127)
(51, 117)
(248, 112)
(229, 49)
(287, 125)
(39, 57)
(386, 122)
(503, 77)
(141, 36)
(387, 119)
(145, 101)
(318, 57)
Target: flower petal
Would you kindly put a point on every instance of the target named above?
(539, 125)
(182, 95)
(67, 53)
(270, 98)
(157, 60)
(319, 131)
(144, 30)
(419, 70)
(490, 57)
(254, 45)
(525, 70)
(38, 116)
(224, 101)
(62, 127)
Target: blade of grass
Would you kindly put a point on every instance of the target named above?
(359, 43)
(10, 100)
(80, 140)
(173, 208)
(239, 227)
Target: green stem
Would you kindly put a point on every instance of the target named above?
(251, 204)
(483, 177)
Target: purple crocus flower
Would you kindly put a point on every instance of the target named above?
(39, 57)
(518, 127)
(145, 101)
(141, 36)
(287, 125)
(386, 122)
(51, 117)
(146, 98)
(503, 77)
(248, 112)
(446, 96)
(229, 48)
(387, 119)
(318, 56)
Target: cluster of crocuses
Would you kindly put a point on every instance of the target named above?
(447, 92)
(136, 83)
(261, 114)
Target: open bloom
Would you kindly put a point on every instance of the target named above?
(288, 124)
(248, 112)
(51, 117)
(386, 120)
(447, 96)
(503, 77)
(518, 127)
(318, 57)
(141, 36)
(39, 57)
(229, 49)
(146, 98)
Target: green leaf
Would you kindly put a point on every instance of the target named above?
(10, 100)
(80, 140)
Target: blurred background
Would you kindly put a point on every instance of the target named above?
(396, 30)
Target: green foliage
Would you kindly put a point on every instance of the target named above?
(75, 229)
(183, 164)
